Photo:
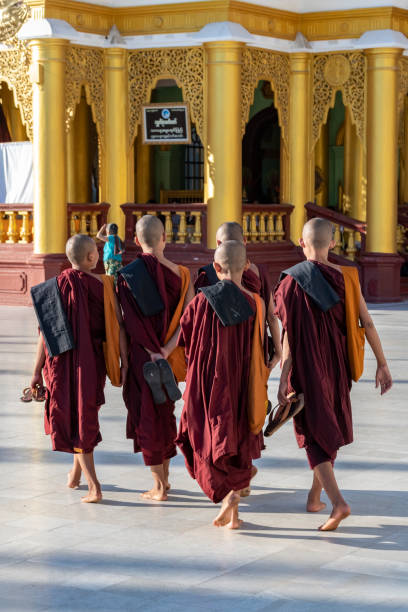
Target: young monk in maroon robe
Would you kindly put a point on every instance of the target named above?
(315, 362)
(75, 379)
(153, 427)
(255, 278)
(214, 434)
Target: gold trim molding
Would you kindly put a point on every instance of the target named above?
(146, 67)
(85, 67)
(15, 71)
(345, 72)
(274, 67)
(191, 17)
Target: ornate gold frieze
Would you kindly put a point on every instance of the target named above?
(345, 72)
(190, 17)
(146, 67)
(258, 64)
(14, 69)
(13, 14)
(85, 67)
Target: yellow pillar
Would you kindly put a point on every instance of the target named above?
(79, 161)
(116, 163)
(358, 207)
(382, 152)
(223, 156)
(144, 171)
(322, 166)
(299, 141)
(49, 145)
(284, 172)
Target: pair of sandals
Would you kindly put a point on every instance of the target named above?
(160, 378)
(38, 393)
(282, 414)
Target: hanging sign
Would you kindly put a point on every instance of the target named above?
(166, 124)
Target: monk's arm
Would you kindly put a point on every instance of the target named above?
(382, 376)
(286, 367)
(123, 343)
(38, 364)
(275, 333)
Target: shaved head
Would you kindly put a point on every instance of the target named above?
(318, 233)
(78, 247)
(149, 230)
(231, 256)
(230, 231)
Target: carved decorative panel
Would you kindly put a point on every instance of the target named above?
(185, 65)
(85, 67)
(346, 72)
(14, 69)
(402, 92)
(260, 64)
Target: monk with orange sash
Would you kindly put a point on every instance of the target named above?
(153, 292)
(82, 339)
(324, 319)
(222, 330)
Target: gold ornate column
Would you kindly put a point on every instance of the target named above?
(49, 145)
(382, 148)
(381, 264)
(144, 170)
(299, 141)
(284, 172)
(116, 163)
(79, 162)
(322, 166)
(358, 200)
(223, 156)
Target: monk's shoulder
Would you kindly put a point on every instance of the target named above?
(175, 268)
(255, 269)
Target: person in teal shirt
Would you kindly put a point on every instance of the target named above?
(113, 249)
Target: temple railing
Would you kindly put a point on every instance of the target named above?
(86, 218)
(350, 234)
(266, 222)
(183, 223)
(16, 223)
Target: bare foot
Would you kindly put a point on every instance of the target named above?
(235, 522)
(155, 495)
(315, 506)
(338, 514)
(224, 517)
(73, 481)
(92, 498)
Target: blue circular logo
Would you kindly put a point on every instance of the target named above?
(165, 113)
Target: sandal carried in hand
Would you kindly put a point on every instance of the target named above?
(38, 393)
(282, 414)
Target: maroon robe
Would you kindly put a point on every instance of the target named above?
(152, 428)
(320, 366)
(256, 284)
(214, 434)
(75, 379)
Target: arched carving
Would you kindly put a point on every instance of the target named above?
(146, 67)
(85, 67)
(260, 64)
(14, 69)
(345, 72)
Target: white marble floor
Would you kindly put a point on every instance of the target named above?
(128, 554)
